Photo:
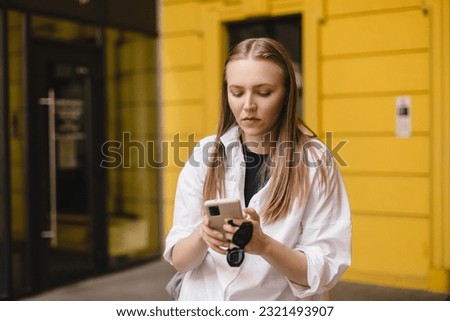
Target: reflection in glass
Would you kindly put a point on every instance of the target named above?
(20, 258)
(132, 200)
(43, 27)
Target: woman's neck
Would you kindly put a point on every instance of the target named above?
(258, 145)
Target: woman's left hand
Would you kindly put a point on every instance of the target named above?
(289, 262)
(259, 239)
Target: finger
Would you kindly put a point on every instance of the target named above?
(212, 242)
(217, 245)
(235, 222)
(230, 228)
(230, 243)
(220, 237)
(251, 213)
(213, 233)
(231, 222)
(229, 236)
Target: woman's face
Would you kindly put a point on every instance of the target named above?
(256, 95)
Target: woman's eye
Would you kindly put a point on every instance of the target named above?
(264, 93)
(236, 94)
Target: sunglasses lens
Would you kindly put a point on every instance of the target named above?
(235, 257)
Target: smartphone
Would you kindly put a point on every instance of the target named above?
(220, 209)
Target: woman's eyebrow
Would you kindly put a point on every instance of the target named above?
(232, 86)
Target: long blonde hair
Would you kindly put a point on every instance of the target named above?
(287, 182)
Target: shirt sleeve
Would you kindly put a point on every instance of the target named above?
(188, 200)
(326, 232)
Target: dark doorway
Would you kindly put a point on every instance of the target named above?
(64, 180)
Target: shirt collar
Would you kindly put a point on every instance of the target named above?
(230, 136)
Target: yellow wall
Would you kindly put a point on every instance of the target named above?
(370, 52)
(358, 56)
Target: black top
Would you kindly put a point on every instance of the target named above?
(253, 164)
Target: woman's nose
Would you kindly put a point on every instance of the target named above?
(249, 103)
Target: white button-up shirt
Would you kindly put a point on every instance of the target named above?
(320, 227)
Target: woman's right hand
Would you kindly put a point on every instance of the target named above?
(213, 238)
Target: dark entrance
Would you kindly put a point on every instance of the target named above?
(65, 186)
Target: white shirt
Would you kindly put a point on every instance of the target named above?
(320, 227)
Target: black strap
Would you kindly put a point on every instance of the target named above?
(241, 238)
(243, 235)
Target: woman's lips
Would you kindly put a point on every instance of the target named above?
(250, 119)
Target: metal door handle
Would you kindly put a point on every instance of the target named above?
(52, 234)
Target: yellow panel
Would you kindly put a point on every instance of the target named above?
(311, 78)
(178, 154)
(446, 135)
(185, 118)
(144, 208)
(375, 33)
(14, 19)
(182, 51)
(348, 6)
(439, 280)
(256, 8)
(140, 152)
(127, 235)
(180, 17)
(372, 114)
(139, 86)
(391, 246)
(136, 53)
(18, 223)
(168, 217)
(183, 85)
(402, 72)
(16, 151)
(403, 195)
(15, 41)
(170, 182)
(139, 120)
(138, 183)
(17, 177)
(15, 68)
(148, 211)
(286, 6)
(385, 154)
(16, 95)
(440, 57)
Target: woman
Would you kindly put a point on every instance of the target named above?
(293, 193)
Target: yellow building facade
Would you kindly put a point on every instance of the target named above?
(361, 61)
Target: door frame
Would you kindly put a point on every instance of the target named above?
(96, 176)
(5, 187)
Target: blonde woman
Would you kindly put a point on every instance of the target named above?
(290, 188)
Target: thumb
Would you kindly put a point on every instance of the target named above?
(251, 213)
(205, 220)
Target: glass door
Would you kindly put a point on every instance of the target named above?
(62, 169)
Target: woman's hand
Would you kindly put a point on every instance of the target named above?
(289, 262)
(213, 238)
(258, 241)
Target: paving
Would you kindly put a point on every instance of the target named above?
(147, 282)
